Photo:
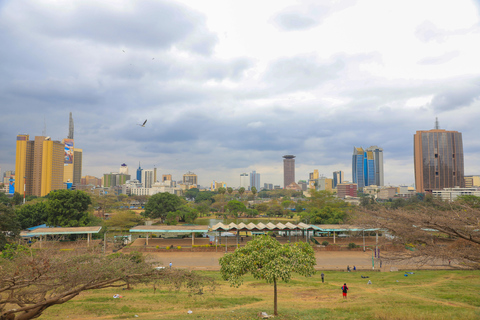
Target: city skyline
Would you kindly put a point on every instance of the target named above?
(224, 97)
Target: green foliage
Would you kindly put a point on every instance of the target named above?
(469, 200)
(261, 207)
(171, 219)
(241, 191)
(10, 251)
(191, 193)
(275, 211)
(31, 215)
(265, 258)
(221, 190)
(67, 208)
(352, 245)
(124, 220)
(325, 215)
(17, 199)
(184, 213)
(4, 199)
(9, 226)
(235, 206)
(205, 196)
(325, 243)
(160, 204)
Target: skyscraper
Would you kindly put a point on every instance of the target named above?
(438, 159)
(39, 165)
(190, 178)
(255, 180)
(244, 180)
(139, 172)
(288, 170)
(367, 166)
(123, 168)
(147, 178)
(337, 178)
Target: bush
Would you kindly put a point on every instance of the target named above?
(179, 247)
(157, 247)
(325, 243)
(352, 245)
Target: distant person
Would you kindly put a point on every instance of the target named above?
(354, 268)
(323, 277)
(344, 290)
(348, 268)
(170, 264)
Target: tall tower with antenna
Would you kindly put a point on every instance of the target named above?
(70, 127)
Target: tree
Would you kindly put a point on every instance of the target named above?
(230, 190)
(191, 193)
(9, 226)
(221, 190)
(31, 284)
(433, 230)
(31, 215)
(160, 204)
(235, 206)
(254, 192)
(265, 258)
(68, 208)
(17, 199)
(184, 213)
(241, 191)
(124, 220)
(205, 196)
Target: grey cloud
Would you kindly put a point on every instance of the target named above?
(290, 21)
(147, 24)
(456, 97)
(440, 59)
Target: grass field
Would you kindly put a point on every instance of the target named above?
(422, 295)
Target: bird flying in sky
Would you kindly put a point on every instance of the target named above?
(143, 124)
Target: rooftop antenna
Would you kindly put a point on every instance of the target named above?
(437, 125)
(70, 127)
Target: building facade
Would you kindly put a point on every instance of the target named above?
(438, 160)
(472, 181)
(346, 190)
(337, 178)
(147, 178)
(114, 179)
(254, 180)
(367, 166)
(244, 180)
(288, 170)
(190, 179)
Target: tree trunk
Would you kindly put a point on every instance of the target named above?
(275, 297)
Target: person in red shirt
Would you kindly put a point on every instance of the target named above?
(344, 290)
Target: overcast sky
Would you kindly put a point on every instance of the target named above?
(231, 86)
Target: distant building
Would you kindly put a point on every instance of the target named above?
(346, 189)
(123, 168)
(321, 184)
(303, 184)
(387, 193)
(91, 180)
(288, 170)
(472, 181)
(77, 165)
(450, 194)
(139, 172)
(254, 180)
(114, 179)
(244, 181)
(39, 165)
(367, 166)
(314, 175)
(438, 159)
(268, 186)
(337, 178)
(293, 186)
(166, 177)
(190, 178)
(218, 184)
(147, 178)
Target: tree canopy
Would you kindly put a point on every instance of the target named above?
(265, 258)
(68, 208)
(9, 226)
(31, 215)
(160, 204)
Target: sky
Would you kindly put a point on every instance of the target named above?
(230, 86)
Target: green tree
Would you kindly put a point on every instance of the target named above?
(124, 220)
(186, 214)
(9, 226)
(160, 204)
(469, 200)
(17, 199)
(241, 191)
(31, 215)
(262, 207)
(192, 193)
(235, 206)
(205, 196)
(265, 258)
(67, 208)
(254, 192)
(230, 190)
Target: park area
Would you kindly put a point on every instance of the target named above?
(425, 294)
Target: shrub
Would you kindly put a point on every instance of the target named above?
(157, 247)
(179, 247)
(352, 245)
(325, 243)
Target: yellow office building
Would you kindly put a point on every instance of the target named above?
(39, 164)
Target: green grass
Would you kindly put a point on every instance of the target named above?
(423, 295)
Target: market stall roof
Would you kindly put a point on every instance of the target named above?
(261, 227)
(163, 229)
(60, 230)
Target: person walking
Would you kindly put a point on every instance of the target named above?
(323, 277)
(170, 265)
(344, 290)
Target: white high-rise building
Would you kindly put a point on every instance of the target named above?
(123, 168)
(147, 178)
(244, 181)
(255, 180)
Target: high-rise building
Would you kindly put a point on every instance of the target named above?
(367, 166)
(123, 168)
(244, 181)
(39, 165)
(472, 181)
(268, 186)
(77, 166)
(147, 178)
(166, 177)
(438, 159)
(114, 179)
(337, 178)
(254, 180)
(139, 172)
(288, 170)
(346, 189)
(190, 178)
(314, 175)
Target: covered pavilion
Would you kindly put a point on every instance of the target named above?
(170, 229)
(43, 232)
